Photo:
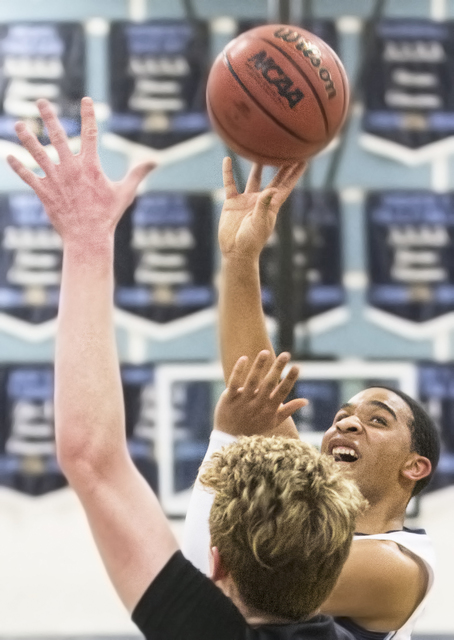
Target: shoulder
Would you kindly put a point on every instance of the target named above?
(388, 561)
(181, 597)
(380, 585)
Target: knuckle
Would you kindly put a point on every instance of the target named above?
(91, 132)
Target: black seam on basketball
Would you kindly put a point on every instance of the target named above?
(241, 145)
(306, 77)
(261, 107)
(344, 88)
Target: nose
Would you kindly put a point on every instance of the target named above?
(349, 424)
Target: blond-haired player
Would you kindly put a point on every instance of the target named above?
(283, 515)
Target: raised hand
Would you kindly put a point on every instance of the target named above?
(252, 403)
(81, 202)
(248, 218)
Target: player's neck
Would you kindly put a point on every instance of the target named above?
(381, 517)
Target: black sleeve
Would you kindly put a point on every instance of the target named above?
(182, 603)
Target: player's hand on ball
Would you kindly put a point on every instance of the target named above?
(248, 218)
(81, 202)
(252, 403)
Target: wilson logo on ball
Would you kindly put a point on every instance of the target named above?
(274, 75)
(311, 52)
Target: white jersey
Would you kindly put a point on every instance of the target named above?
(419, 544)
(196, 544)
(196, 536)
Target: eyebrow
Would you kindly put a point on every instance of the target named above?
(376, 403)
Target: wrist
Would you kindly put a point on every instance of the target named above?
(90, 249)
(242, 264)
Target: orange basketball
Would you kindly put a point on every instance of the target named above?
(277, 94)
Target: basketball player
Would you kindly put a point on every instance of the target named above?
(381, 438)
(283, 515)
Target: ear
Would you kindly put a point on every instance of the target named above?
(416, 467)
(217, 569)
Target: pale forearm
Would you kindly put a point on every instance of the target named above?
(88, 396)
(242, 324)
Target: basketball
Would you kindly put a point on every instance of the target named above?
(277, 94)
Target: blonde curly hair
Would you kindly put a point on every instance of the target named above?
(282, 519)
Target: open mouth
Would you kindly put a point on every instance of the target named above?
(344, 454)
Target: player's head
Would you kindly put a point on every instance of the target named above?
(386, 440)
(282, 520)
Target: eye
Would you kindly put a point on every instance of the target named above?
(380, 420)
(340, 416)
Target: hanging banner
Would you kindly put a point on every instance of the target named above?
(192, 424)
(158, 73)
(164, 256)
(41, 60)
(409, 103)
(436, 391)
(27, 439)
(316, 256)
(410, 235)
(27, 442)
(30, 259)
(140, 407)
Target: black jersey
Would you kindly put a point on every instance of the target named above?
(183, 604)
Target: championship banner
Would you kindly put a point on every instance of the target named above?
(316, 256)
(27, 443)
(192, 424)
(324, 401)
(30, 259)
(140, 407)
(410, 236)
(436, 391)
(27, 439)
(164, 256)
(408, 97)
(41, 60)
(158, 73)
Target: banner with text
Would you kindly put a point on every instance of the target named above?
(408, 94)
(27, 439)
(30, 259)
(164, 256)
(41, 60)
(158, 73)
(410, 235)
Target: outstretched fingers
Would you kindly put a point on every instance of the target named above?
(229, 181)
(89, 128)
(57, 134)
(238, 375)
(25, 174)
(271, 382)
(257, 373)
(263, 205)
(283, 388)
(288, 409)
(135, 176)
(254, 179)
(286, 178)
(35, 149)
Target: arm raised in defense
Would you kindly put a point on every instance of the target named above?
(84, 206)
